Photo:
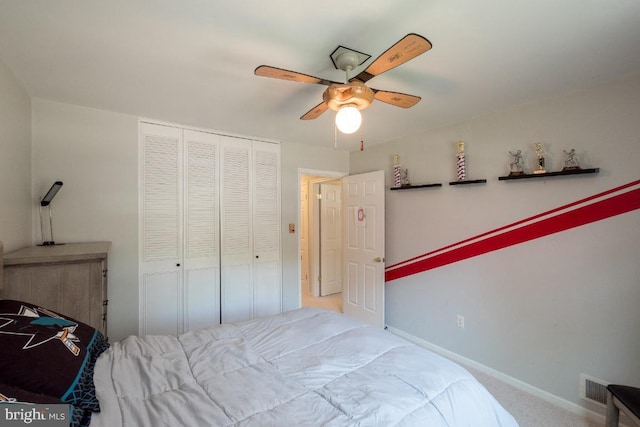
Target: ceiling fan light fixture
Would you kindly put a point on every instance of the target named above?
(348, 119)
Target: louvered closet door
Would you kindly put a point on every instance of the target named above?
(236, 230)
(161, 229)
(201, 292)
(266, 229)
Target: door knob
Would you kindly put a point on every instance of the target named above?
(378, 259)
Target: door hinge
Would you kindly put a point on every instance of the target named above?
(319, 279)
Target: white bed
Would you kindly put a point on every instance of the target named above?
(306, 367)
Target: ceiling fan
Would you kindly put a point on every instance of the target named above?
(354, 95)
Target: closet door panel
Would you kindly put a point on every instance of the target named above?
(266, 201)
(202, 231)
(160, 310)
(237, 293)
(236, 230)
(266, 222)
(201, 297)
(162, 193)
(160, 228)
(267, 288)
(210, 245)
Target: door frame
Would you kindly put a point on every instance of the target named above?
(329, 175)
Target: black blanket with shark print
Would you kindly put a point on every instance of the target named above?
(46, 353)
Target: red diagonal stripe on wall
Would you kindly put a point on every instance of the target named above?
(597, 211)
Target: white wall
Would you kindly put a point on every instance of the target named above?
(542, 311)
(94, 153)
(15, 162)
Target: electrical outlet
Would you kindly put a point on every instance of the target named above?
(460, 321)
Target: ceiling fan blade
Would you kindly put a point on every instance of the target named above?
(398, 99)
(404, 50)
(279, 73)
(315, 112)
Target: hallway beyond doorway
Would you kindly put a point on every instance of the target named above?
(330, 302)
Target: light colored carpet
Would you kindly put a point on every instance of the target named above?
(529, 410)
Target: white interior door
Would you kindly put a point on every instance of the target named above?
(250, 230)
(267, 291)
(201, 258)
(236, 231)
(330, 238)
(160, 230)
(363, 285)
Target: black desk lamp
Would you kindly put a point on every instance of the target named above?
(46, 202)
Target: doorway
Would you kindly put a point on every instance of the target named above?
(321, 239)
(363, 257)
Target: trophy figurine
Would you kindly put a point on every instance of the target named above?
(571, 163)
(460, 162)
(400, 175)
(404, 178)
(397, 171)
(540, 153)
(515, 166)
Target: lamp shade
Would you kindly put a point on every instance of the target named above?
(46, 200)
(348, 119)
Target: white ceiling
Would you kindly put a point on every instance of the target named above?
(192, 61)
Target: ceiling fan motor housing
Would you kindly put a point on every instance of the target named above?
(354, 93)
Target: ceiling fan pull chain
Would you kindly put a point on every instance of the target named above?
(361, 140)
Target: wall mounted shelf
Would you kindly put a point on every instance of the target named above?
(548, 174)
(411, 187)
(468, 181)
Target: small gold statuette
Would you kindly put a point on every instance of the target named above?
(571, 163)
(540, 154)
(515, 166)
(460, 162)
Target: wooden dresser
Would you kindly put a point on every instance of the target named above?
(70, 279)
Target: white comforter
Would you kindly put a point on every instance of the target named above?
(302, 368)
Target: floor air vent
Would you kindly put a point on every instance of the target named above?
(593, 389)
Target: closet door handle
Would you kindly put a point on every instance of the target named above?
(178, 265)
(257, 256)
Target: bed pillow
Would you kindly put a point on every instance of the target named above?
(46, 353)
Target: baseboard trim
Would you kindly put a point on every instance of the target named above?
(521, 385)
